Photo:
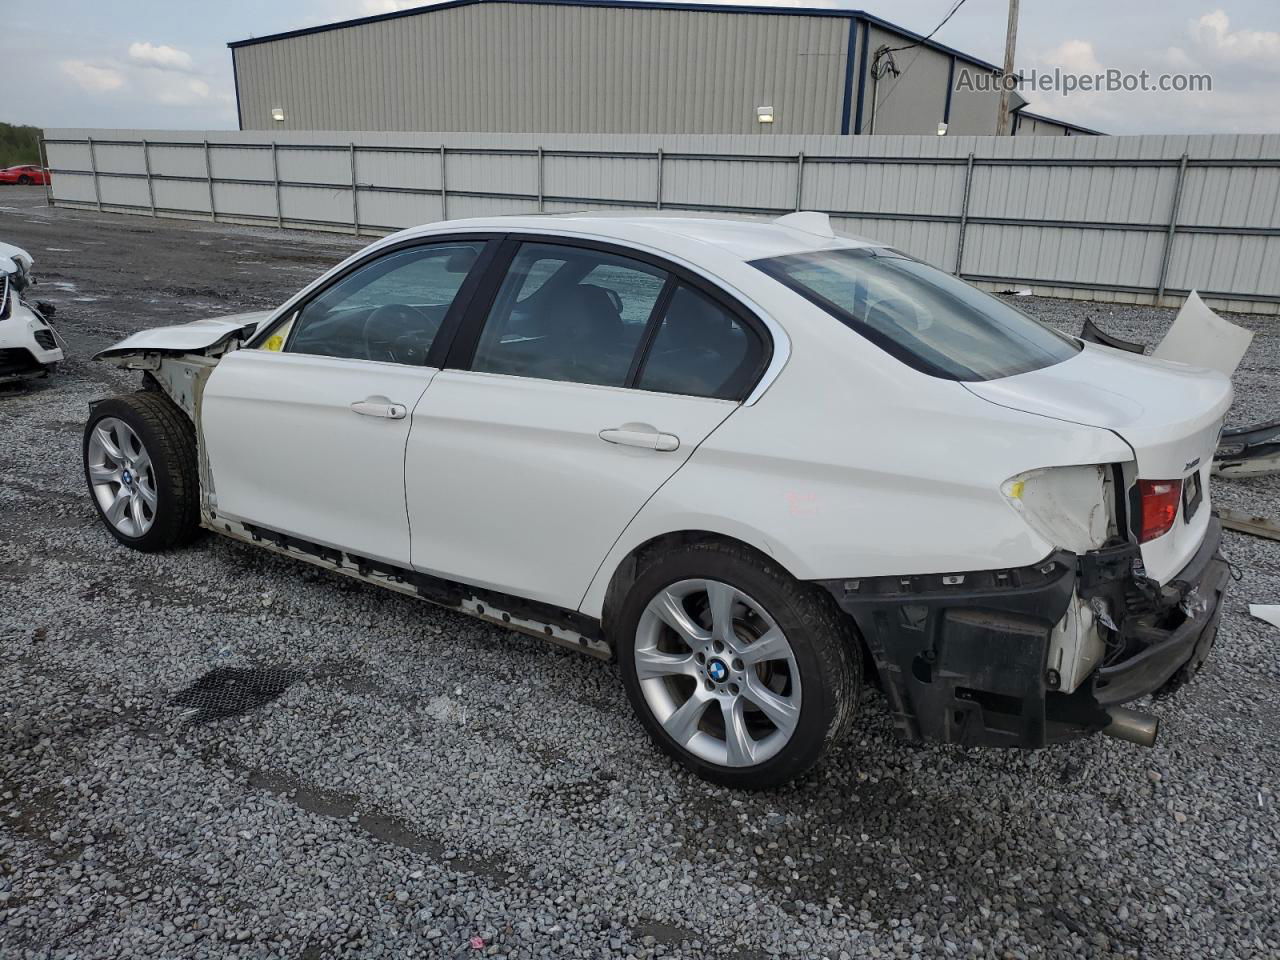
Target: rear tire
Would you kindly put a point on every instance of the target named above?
(755, 704)
(139, 455)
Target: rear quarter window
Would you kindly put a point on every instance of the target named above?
(700, 349)
(930, 320)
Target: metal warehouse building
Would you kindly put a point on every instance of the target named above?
(616, 66)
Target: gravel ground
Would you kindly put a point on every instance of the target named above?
(426, 779)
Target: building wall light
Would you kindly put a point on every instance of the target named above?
(942, 129)
(764, 114)
(277, 114)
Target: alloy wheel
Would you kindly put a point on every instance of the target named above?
(122, 477)
(717, 672)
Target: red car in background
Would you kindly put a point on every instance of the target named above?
(24, 173)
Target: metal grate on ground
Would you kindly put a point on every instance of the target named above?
(230, 691)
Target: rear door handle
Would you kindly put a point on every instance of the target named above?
(641, 435)
(379, 406)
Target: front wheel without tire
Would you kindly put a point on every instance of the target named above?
(742, 673)
(140, 465)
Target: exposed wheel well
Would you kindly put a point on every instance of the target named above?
(635, 562)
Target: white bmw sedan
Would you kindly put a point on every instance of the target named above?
(757, 463)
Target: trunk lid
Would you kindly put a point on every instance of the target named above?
(1169, 413)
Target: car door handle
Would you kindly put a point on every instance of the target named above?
(641, 435)
(379, 407)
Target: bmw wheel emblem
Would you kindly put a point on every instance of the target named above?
(717, 671)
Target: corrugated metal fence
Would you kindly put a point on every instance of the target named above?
(1133, 219)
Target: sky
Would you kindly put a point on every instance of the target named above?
(164, 64)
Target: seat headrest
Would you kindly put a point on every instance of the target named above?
(588, 312)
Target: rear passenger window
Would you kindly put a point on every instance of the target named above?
(701, 350)
(580, 322)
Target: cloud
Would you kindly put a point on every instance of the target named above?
(1241, 62)
(160, 56)
(324, 12)
(1073, 56)
(372, 7)
(1214, 37)
(1175, 58)
(93, 77)
(153, 74)
(191, 90)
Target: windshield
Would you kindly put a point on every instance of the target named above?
(929, 319)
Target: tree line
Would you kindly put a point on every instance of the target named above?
(19, 144)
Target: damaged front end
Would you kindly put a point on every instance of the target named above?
(177, 360)
(29, 346)
(977, 658)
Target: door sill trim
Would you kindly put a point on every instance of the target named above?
(566, 628)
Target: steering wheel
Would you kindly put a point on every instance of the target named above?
(395, 332)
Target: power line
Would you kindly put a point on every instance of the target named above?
(950, 13)
(889, 51)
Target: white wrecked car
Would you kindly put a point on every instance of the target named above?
(749, 460)
(29, 347)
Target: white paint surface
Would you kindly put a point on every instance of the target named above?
(1268, 612)
(1201, 338)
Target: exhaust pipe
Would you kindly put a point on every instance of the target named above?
(1132, 725)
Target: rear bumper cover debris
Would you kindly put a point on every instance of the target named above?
(1249, 451)
(963, 657)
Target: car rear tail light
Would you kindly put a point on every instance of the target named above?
(1159, 499)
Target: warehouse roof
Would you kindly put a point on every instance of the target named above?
(811, 8)
(1028, 115)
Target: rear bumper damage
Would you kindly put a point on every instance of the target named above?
(964, 658)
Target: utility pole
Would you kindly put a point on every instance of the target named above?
(1010, 41)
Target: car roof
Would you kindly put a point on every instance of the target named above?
(743, 239)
